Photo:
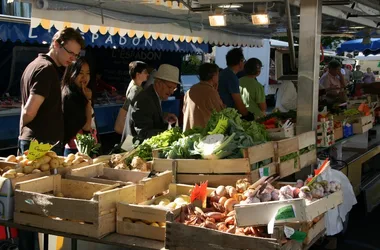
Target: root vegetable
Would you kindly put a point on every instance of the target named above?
(45, 159)
(215, 215)
(70, 157)
(19, 158)
(36, 164)
(54, 163)
(36, 171)
(222, 227)
(231, 230)
(222, 200)
(78, 160)
(45, 167)
(229, 205)
(20, 174)
(82, 164)
(232, 192)
(154, 224)
(61, 160)
(211, 225)
(19, 169)
(232, 213)
(9, 175)
(52, 154)
(7, 169)
(220, 191)
(11, 158)
(230, 221)
(265, 197)
(215, 198)
(162, 224)
(28, 169)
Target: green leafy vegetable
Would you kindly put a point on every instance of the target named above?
(257, 131)
(87, 144)
(230, 113)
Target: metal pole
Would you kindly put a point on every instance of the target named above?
(308, 61)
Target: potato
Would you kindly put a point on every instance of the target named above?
(61, 160)
(19, 158)
(35, 171)
(11, 158)
(12, 171)
(20, 174)
(70, 157)
(24, 162)
(19, 169)
(28, 169)
(67, 164)
(78, 160)
(54, 163)
(9, 175)
(52, 154)
(6, 168)
(36, 164)
(59, 195)
(82, 164)
(45, 167)
(45, 159)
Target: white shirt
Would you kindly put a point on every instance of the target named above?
(286, 97)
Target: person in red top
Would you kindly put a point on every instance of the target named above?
(102, 86)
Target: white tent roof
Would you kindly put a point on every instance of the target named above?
(86, 20)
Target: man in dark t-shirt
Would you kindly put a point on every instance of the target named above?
(41, 113)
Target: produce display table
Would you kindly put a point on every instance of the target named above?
(114, 239)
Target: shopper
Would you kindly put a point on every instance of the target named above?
(202, 98)
(286, 96)
(77, 108)
(146, 116)
(369, 76)
(252, 92)
(333, 83)
(229, 83)
(357, 75)
(139, 74)
(41, 112)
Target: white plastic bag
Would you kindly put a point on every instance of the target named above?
(335, 217)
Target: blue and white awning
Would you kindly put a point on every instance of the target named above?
(25, 33)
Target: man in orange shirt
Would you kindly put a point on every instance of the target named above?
(202, 98)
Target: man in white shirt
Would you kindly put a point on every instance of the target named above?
(286, 97)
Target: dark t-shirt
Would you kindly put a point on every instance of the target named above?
(41, 77)
(228, 85)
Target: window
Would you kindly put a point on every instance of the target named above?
(16, 9)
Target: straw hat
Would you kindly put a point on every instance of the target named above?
(168, 72)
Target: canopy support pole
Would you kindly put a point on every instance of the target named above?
(308, 61)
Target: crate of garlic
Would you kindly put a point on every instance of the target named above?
(19, 168)
(148, 218)
(70, 206)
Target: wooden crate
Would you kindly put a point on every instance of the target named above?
(283, 148)
(145, 211)
(264, 212)
(312, 232)
(101, 174)
(363, 124)
(281, 133)
(89, 208)
(26, 177)
(306, 140)
(180, 236)
(219, 172)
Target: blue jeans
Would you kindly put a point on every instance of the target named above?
(23, 145)
(69, 151)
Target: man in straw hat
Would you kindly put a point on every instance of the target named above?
(146, 116)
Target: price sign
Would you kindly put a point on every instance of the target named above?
(37, 150)
(292, 234)
(264, 172)
(285, 213)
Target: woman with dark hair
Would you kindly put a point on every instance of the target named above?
(252, 92)
(76, 101)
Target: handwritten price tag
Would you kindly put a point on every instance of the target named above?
(37, 150)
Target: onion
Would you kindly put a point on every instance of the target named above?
(220, 191)
(222, 200)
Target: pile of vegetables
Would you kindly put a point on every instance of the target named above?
(219, 213)
(87, 144)
(212, 142)
(20, 165)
